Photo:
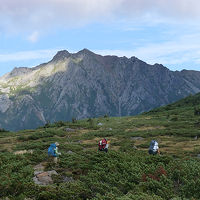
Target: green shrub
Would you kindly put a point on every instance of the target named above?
(59, 124)
(23, 138)
(174, 119)
(74, 120)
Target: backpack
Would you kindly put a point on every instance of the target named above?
(51, 150)
(102, 144)
(152, 144)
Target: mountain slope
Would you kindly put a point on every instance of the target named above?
(84, 85)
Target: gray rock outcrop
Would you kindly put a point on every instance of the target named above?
(42, 177)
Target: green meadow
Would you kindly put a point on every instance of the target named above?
(126, 172)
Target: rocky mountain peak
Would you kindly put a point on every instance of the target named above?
(133, 58)
(61, 55)
(86, 52)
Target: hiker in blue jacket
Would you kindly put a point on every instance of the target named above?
(53, 151)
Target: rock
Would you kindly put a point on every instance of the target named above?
(137, 138)
(110, 129)
(5, 103)
(53, 172)
(37, 172)
(134, 147)
(70, 152)
(44, 178)
(21, 152)
(99, 124)
(70, 130)
(42, 174)
(36, 181)
(196, 137)
(68, 179)
(39, 167)
(198, 155)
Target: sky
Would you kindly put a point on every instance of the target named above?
(156, 31)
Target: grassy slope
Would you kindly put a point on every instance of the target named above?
(126, 172)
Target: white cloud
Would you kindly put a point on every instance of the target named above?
(41, 14)
(28, 55)
(33, 37)
(175, 54)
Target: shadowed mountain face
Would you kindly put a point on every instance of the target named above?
(84, 85)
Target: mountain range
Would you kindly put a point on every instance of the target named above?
(84, 84)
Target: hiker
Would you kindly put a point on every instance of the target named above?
(153, 148)
(53, 151)
(103, 145)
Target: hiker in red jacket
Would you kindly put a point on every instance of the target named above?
(103, 145)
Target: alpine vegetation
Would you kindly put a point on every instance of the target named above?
(149, 157)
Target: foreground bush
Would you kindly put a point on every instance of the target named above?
(115, 175)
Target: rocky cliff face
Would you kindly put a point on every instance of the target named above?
(84, 85)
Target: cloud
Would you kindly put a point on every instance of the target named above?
(51, 13)
(42, 14)
(176, 53)
(28, 55)
(187, 9)
(33, 37)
